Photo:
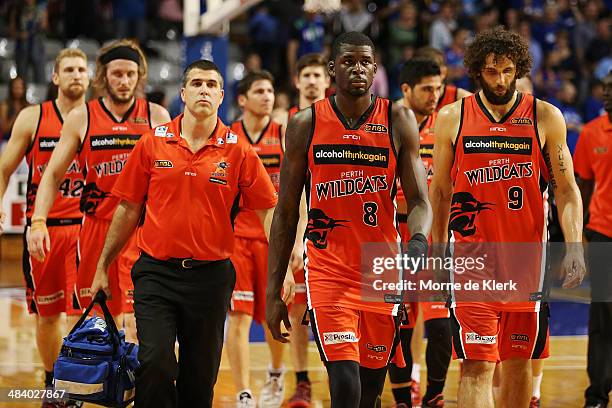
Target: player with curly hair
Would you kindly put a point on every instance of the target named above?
(492, 132)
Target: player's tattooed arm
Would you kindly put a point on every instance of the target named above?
(286, 216)
(551, 125)
(561, 170)
(441, 188)
(405, 133)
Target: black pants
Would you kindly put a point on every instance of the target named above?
(599, 364)
(171, 302)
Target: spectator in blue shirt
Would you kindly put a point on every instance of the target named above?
(454, 59)
(307, 36)
(566, 102)
(546, 31)
(593, 106)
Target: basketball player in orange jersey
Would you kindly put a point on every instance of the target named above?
(50, 284)
(421, 85)
(102, 132)
(256, 97)
(524, 139)
(350, 137)
(450, 93)
(311, 82)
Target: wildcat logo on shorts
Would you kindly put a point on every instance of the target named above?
(339, 337)
(163, 164)
(375, 128)
(475, 338)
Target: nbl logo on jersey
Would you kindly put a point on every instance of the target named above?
(497, 144)
(351, 154)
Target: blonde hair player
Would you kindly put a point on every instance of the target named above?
(49, 283)
(103, 133)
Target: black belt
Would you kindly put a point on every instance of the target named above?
(58, 222)
(185, 263)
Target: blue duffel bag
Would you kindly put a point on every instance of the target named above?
(96, 364)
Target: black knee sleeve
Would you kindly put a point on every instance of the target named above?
(344, 384)
(401, 375)
(439, 349)
(372, 384)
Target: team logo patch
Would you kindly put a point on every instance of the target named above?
(161, 131)
(231, 138)
(475, 338)
(140, 121)
(376, 348)
(221, 169)
(91, 198)
(464, 209)
(375, 128)
(163, 164)
(339, 337)
(319, 226)
(521, 121)
(519, 337)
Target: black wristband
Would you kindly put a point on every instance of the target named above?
(419, 237)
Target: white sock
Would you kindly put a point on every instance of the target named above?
(416, 372)
(246, 390)
(276, 371)
(537, 381)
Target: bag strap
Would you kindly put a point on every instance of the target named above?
(100, 299)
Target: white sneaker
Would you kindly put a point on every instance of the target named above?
(273, 391)
(245, 399)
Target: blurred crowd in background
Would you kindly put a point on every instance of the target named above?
(570, 42)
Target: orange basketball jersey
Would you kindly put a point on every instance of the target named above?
(270, 151)
(499, 177)
(105, 149)
(449, 96)
(65, 208)
(350, 190)
(426, 140)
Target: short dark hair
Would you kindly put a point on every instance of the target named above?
(499, 42)
(350, 38)
(310, 60)
(245, 83)
(415, 69)
(431, 53)
(204, 65)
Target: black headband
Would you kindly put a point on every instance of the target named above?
(121, 52)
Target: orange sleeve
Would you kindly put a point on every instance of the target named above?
(133, 182)
(582, 161)
(255, 187)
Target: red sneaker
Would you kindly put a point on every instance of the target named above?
(301, 396)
